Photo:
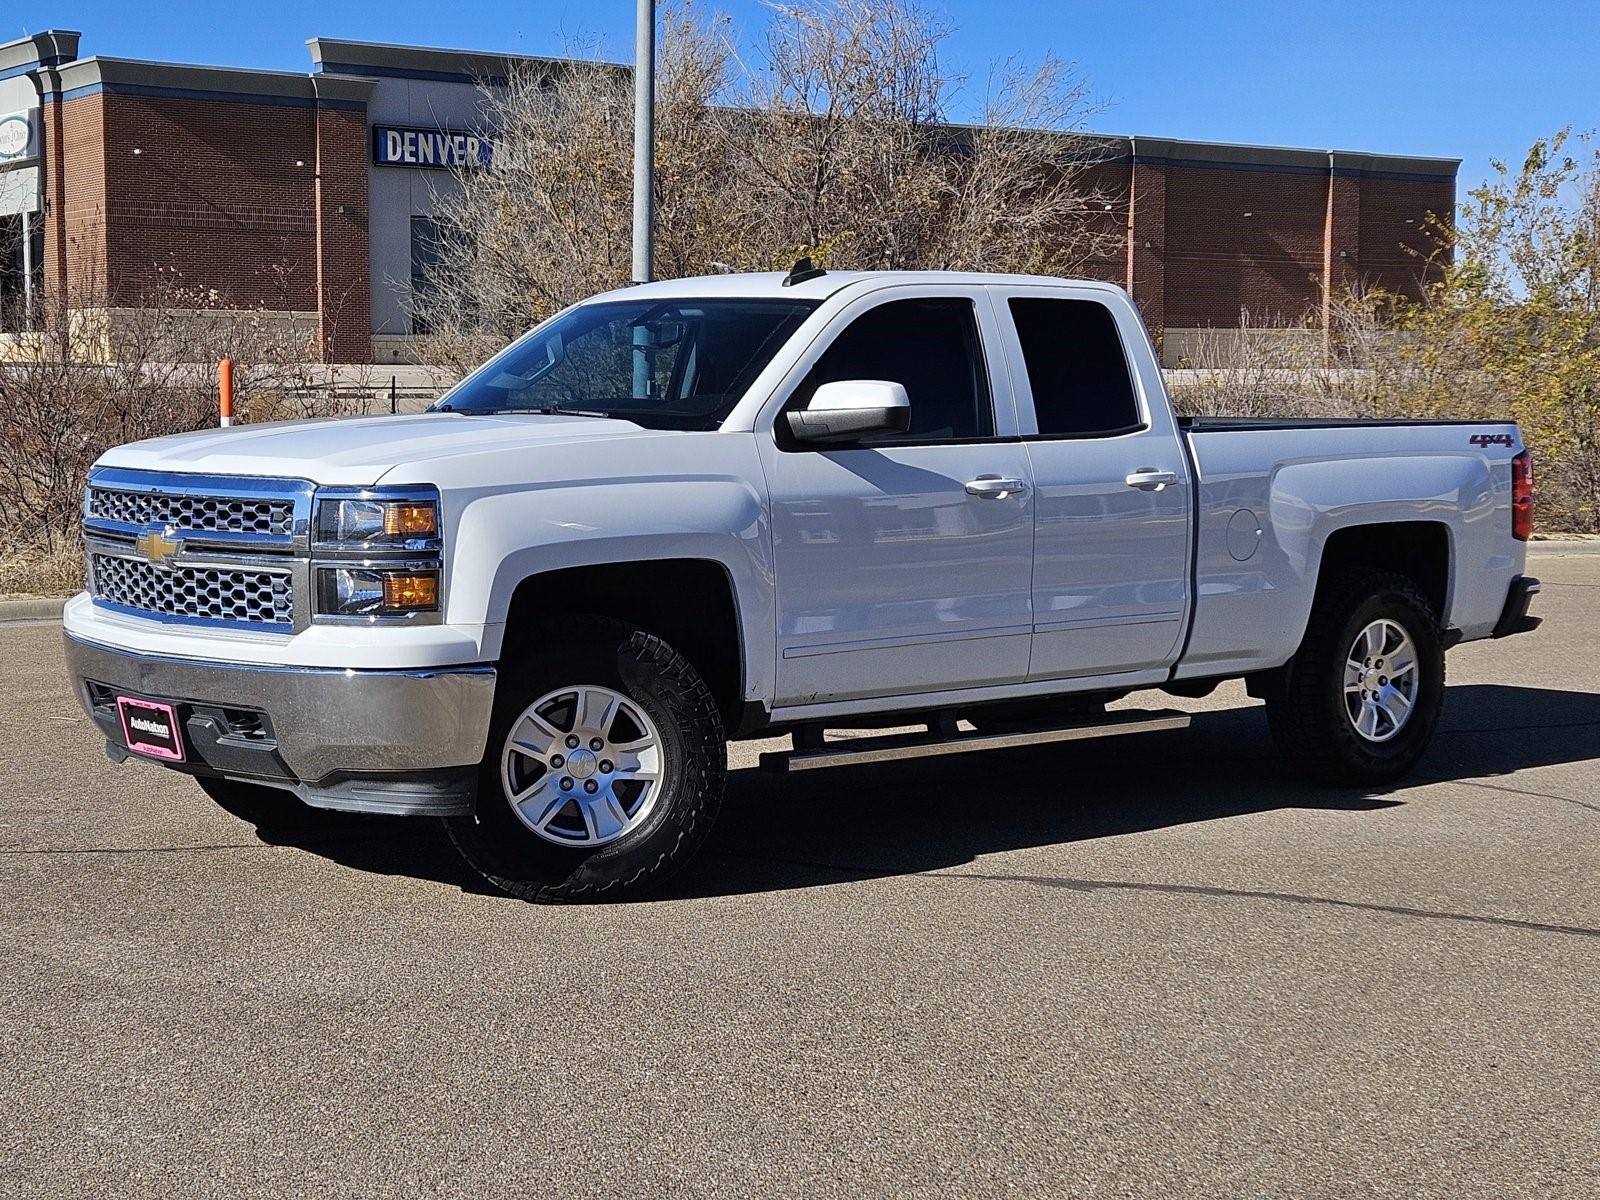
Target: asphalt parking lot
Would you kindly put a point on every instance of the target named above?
(1149, 966)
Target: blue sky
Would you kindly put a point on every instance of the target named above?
(1463, 79)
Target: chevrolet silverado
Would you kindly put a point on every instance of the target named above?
(772, 504)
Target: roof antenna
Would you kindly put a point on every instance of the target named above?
(802, 271)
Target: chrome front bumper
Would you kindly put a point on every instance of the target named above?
(397, 741)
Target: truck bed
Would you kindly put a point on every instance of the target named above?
(1204, 424)
(1271, 492)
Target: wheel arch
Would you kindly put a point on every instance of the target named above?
(1309, 699)
(1421, 550)
(691, 603)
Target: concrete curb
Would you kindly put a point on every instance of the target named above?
(31, 610)
(1556, 547)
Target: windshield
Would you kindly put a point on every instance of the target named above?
(678, 364)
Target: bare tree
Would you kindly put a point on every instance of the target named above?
(1027, 198)
(697, 230)
(841, 160)
(854, 161)
(540, 226)
(834, 142)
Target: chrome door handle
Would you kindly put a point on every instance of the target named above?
(1148, 479)
(992, 487)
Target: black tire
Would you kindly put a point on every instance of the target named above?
(270, 809)
(654, 676)
(1306, 711)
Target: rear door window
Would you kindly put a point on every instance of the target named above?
(1077, 368)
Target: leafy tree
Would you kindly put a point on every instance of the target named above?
(1512, 325)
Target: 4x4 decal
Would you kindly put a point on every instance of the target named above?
(1493, 439)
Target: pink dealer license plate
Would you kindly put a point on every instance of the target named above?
(150, 728)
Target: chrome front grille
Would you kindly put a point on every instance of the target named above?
(228, 594)
(208, 549)
(199, 514)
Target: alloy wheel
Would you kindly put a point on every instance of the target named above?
(1381, 680)
(582, 766)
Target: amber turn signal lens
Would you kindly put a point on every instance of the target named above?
(410, 520)
(410, 593)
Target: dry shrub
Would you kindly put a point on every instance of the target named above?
(1266, 368)
(41, 571)
(89, 378)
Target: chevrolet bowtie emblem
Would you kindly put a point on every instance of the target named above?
(158, 546)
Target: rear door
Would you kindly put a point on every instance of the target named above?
(903, 562)
(1112, 490)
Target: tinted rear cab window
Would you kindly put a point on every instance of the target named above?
(1077, 368)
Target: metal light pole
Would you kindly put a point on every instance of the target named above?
(27, 270)
(644, 138)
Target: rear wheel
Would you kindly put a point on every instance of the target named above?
(1359, 701)
(603, 773)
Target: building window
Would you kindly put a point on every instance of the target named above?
(425, 241)
(13, 289)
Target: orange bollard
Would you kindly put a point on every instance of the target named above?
(225, 390)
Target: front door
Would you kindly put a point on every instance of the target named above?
(903, 563)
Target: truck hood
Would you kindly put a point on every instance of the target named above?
(355, 451)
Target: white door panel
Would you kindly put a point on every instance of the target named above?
(901, 569)
(892, 577)
(1111, 561)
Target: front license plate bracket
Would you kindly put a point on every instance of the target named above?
(151, 728)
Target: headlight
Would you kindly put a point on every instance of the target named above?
(411, 522)
(377, 591)
(378, 552)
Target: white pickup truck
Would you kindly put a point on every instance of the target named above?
(763, 505)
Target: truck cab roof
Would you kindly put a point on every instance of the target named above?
(819, 287)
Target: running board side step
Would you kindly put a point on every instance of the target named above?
(888, 747)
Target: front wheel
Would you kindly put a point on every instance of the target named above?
(604, 769)
(1359, 701)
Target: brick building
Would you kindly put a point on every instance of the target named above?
(308, 196)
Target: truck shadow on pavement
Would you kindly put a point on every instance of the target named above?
(781, 832)
(890, 819)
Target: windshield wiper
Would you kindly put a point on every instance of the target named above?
(446, 407)
(544, 410)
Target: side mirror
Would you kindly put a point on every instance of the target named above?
(850, 409)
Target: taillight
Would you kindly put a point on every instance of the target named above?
(1522, 496)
